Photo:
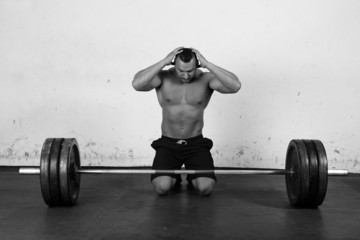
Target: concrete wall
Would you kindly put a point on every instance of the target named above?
(66, 69)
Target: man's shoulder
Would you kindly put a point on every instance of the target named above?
(167, 78)
(204, 75)
(167, 73)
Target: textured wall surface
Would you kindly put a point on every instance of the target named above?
(67, 66)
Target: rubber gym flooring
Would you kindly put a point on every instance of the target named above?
(126, 207)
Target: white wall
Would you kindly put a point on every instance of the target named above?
(66, 69)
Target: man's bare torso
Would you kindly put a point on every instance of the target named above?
(183, 104)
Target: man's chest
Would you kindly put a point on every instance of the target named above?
(195, 94)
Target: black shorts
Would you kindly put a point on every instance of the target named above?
(194, 153)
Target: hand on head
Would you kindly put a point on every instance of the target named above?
(202, 61)
(169, 58)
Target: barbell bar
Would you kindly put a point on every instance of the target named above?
(306, 172)
(36, 171)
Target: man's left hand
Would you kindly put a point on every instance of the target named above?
(202, 60)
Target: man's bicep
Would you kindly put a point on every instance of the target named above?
(153, 84)
(156, 81)
(216, 85)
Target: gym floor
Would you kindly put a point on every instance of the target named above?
(126, 207)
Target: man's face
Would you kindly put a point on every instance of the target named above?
(185, 71)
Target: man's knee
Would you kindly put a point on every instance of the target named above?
(163, 184)
(204, 185)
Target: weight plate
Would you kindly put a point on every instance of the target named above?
(54, 171)
(45, 171)
(69, 178)
(297, 184)
(323, 171)
(313, 173)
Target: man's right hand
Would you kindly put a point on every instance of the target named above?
(168, 59)
(148, 78)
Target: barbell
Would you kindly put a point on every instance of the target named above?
(306, 172)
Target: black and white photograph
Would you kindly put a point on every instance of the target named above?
(135, 119)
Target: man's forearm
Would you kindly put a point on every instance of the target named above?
(143, 78)
(228, 79)
(146, 79)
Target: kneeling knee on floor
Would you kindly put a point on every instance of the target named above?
(204, 188)
(162, 187)
(204, 191)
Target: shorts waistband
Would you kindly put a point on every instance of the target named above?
(184, 141)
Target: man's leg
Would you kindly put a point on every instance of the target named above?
(204, 185)
(165, 158)
(163, 184)
(200, 159)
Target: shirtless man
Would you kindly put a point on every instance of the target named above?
(183, 92)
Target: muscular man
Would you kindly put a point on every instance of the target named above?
(183, 92)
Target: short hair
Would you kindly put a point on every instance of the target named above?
(186, 55)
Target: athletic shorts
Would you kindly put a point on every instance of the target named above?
(172, 154)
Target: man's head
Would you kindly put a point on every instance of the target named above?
(186, 64)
